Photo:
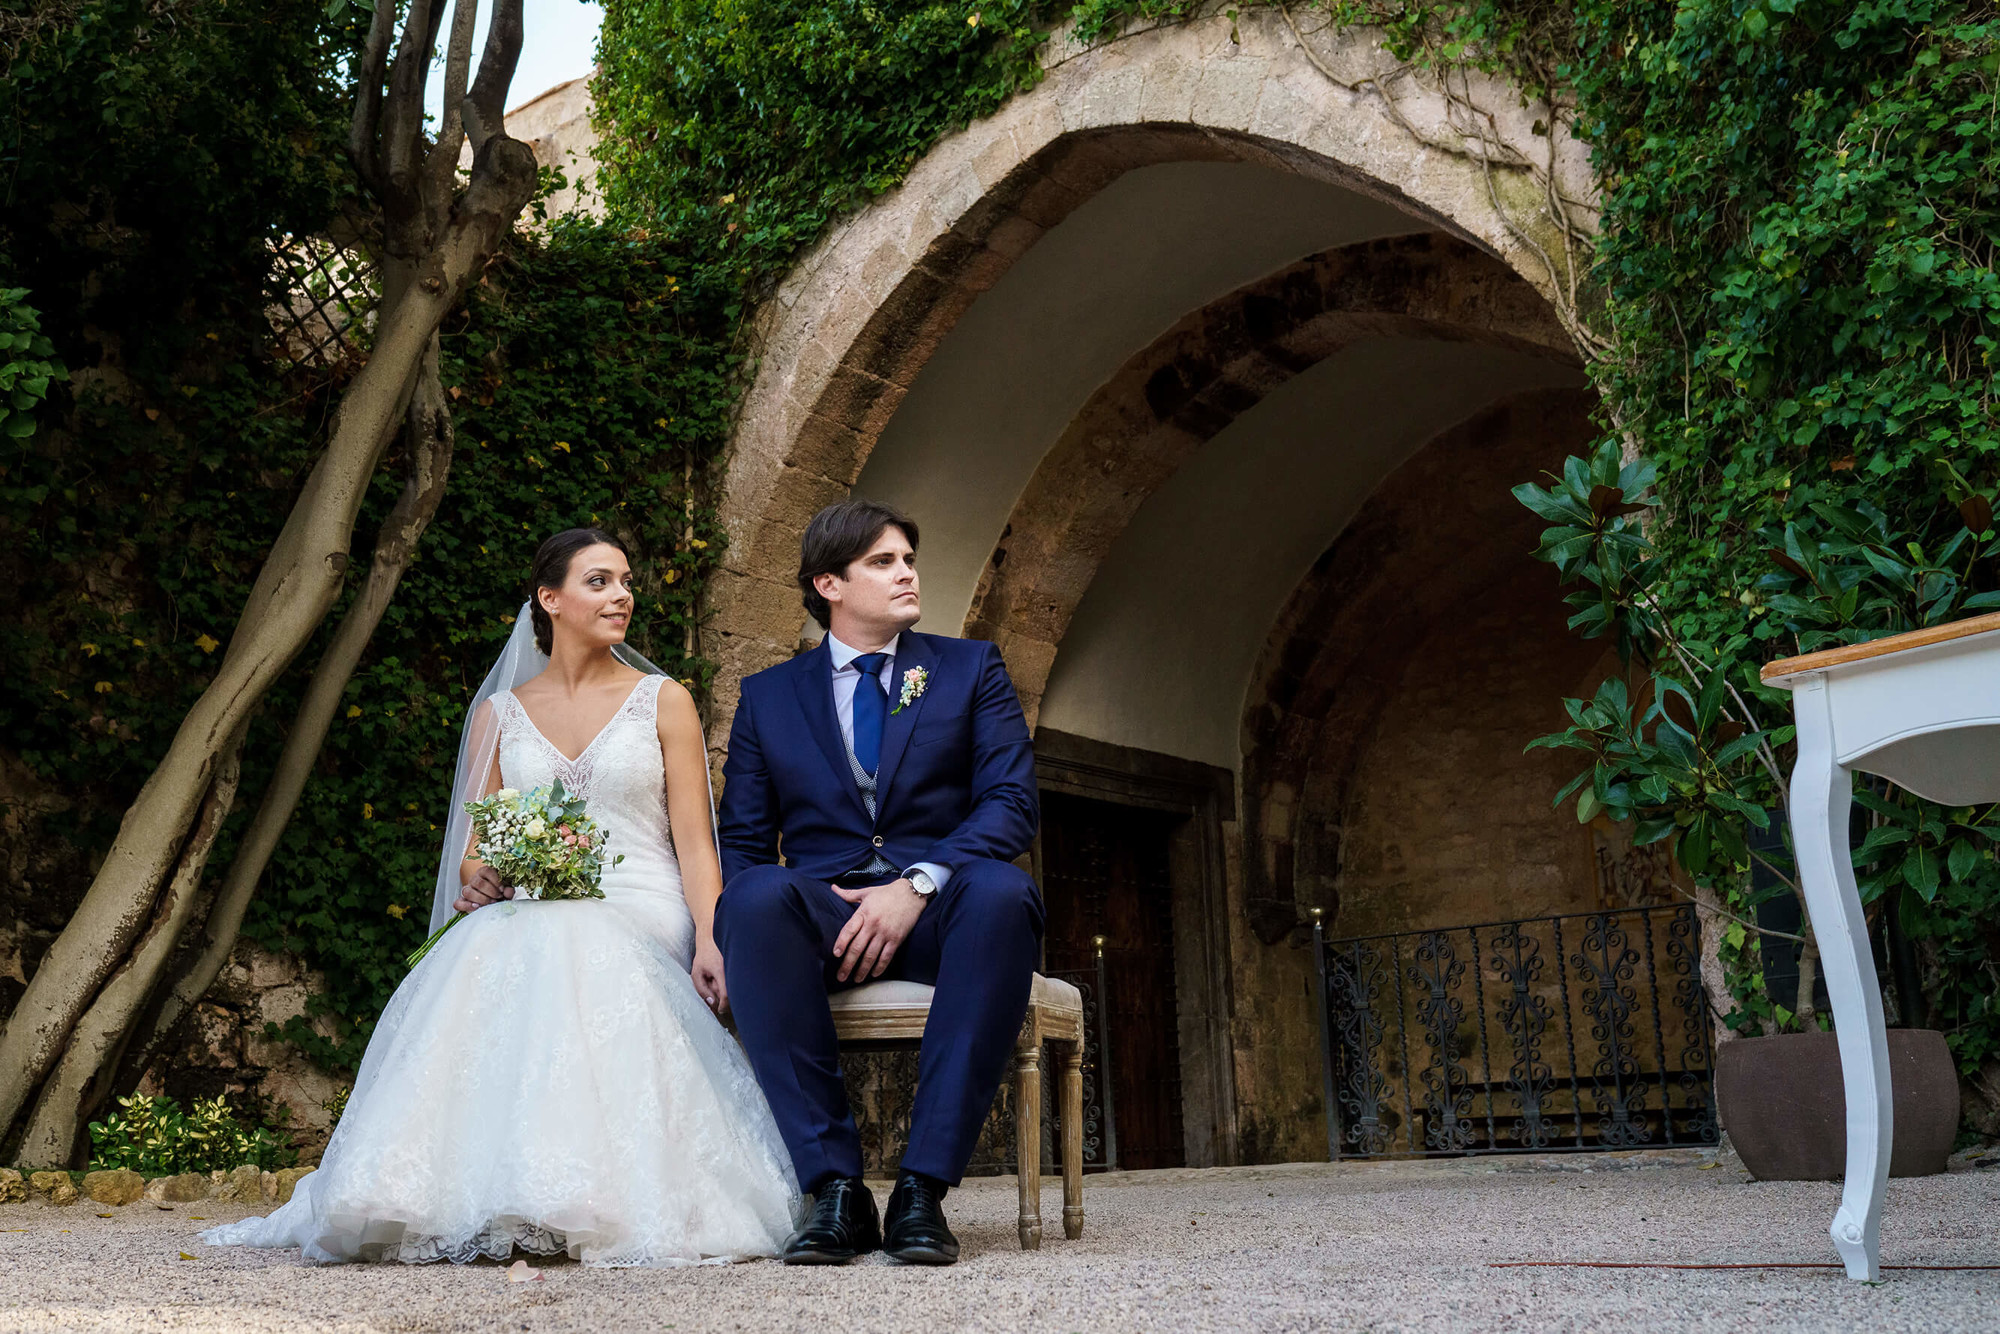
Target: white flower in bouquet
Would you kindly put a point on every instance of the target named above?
(543, 843)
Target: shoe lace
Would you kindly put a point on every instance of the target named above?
(920, 1194)
(832, 1198)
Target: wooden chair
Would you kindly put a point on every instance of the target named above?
(882, 1012)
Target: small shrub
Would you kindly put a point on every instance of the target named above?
(154, 1137)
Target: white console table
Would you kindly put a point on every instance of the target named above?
(1922, 710)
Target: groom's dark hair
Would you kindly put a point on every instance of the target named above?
(838, 536)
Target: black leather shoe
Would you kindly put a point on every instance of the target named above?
(843, 1224)
(915, 1232)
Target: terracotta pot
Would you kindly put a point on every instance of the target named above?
(1782, 1100)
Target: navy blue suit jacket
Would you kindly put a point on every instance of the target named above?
(956, 779)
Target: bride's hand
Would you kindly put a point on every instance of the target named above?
(482, 888)
(707, 973)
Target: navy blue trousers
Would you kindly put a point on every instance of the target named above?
(977, 942)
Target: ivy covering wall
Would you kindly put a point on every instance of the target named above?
(1795, 277)
(588, 388)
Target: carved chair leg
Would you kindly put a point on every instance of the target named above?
(1028, 1140)
(1072, 1139)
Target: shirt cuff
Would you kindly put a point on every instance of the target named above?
(938, 874)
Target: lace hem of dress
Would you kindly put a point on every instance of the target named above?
(497, 1241)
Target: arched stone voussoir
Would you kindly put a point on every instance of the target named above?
(1198, 377)
(846, 333)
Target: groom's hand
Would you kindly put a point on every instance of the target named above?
(883, 917)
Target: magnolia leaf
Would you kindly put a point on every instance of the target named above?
(1964, 859)
(1878, 838)
(1645, 832)
(1738, 748)
(1676, 745)
(1675, 706)
(1608, 502)
(1555, 508)
(1694, 847)
(1874, 801)
(1568, 788)
(1709, 706)
(1887, 566)
(1921, 868)
(1787, 564)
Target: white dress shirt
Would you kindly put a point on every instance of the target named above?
(846, 676)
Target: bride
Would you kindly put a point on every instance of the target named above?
(552, 1075)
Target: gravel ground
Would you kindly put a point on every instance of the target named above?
(1304, 1247)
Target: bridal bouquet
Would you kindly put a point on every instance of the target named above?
(543, 843)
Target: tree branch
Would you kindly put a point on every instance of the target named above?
(361, 132)
(442, 166)
(496, 73)
(428, 434)
(402, 136)
(1743, 922)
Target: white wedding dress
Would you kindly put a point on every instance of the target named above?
(547, 1077)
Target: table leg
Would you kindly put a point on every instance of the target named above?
(1821, 793)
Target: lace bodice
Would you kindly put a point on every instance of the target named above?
(622, 780)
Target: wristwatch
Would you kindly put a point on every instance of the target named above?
(920, 881)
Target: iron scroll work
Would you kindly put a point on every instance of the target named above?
(1542, 1036)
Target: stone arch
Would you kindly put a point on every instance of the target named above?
(1441, 539)
(1191, 382)
(847, 332)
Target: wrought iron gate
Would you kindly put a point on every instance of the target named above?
(1537, 1036)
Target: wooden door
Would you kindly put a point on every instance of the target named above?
(1105, 873)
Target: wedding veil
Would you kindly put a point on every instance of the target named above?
(479, 751)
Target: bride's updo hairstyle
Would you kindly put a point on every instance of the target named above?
(551, 570)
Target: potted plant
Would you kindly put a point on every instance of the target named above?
(1688, 749)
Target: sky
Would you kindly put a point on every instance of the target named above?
(559, 43)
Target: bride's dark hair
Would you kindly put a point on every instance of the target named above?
(551, 570)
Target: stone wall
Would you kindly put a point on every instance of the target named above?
(1449, 821)
(1280, 1109)
(221, 1047)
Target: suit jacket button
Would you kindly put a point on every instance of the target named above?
(877, 840)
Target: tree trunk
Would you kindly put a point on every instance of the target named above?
(94, 1046)
(1804, 1006)
(428, 435)
(296, 587)
(1714, 977)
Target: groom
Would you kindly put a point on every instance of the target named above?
(894, 771)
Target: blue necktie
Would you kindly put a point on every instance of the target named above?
(871, 709)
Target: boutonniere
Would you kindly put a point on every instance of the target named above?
(915, 682)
